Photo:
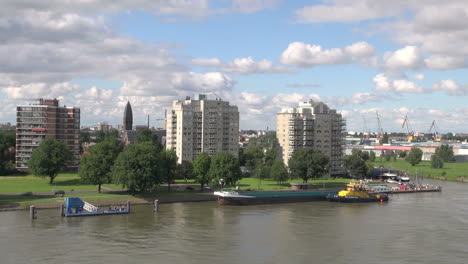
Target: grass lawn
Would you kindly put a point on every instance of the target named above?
(451, 171)
(30, 183)
(269, 185)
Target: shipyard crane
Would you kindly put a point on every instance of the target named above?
(436, 135)
(379, 126)
(409, 131)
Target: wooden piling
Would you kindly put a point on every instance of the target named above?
(62, 211)
(156, 206)
(32, 212)
(128, 206)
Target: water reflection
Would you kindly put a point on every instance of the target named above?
(416, 228)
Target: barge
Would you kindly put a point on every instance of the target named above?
(273, 197)
(357, 192)
(74, 206)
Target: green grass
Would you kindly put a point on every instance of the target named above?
(451, 171)
(64, 181)
(270, 185)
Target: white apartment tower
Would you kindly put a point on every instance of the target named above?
(313, 125)
(202, 125)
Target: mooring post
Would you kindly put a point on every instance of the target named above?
(32, 212)
(156, 206)
(128, 206)
(62, 213)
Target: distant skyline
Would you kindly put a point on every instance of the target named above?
(400, 58)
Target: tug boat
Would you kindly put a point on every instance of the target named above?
(356, 192)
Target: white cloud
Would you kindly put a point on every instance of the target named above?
(242, 66)
(39, 90)
(451, 87)
(305, 55)
(443, 62)
(419, 76)
(408, 57)
(250, 6)
(344, 11)
(205, 62)
(383, 84)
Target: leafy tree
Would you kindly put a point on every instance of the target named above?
(385, 138)
(146, 135)
(437, 162)
(307, 163)
(100, 135)
(138, 168)
(270, 156)
(96, 167)
(7, 157)
(201, 166)
(85, 137)
(49, 159)
(184, 170)
(253, 156)
(279, 173)
(356, 166)
(372, 156)
(445, 153)
(168, 166)
(402, 154)
(414, 156)
(225, 166)
(262, 171)
(365, 155)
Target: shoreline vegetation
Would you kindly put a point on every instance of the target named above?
(18, 192)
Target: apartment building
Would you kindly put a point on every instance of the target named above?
(46, 119)
(314, 125)
(202, 125)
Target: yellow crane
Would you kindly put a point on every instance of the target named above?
(410, 132)
(436, 136)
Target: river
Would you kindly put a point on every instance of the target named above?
(410, 228)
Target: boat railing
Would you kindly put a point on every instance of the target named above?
(89, 207)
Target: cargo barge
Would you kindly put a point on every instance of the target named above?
(273, 197)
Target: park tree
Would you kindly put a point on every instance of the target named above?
(270, 156)
(372, 156)
(445, 153)
(7, 156)
(307, 163)
(96, 167)
(201, 166)
(137, 168)
(414, 156)
(168, 166)
(402, 154)
(146, 135)
(49, 159)
(356, 166)
(225, 167)
(184, 170)
(253, 155)
(385, 138)
(279, 173)
(436, 162)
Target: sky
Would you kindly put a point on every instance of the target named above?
(361, 57)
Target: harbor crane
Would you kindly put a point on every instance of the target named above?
(379, 126)
(409, 131)
(436, 136)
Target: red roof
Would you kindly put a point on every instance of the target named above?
(393, 147)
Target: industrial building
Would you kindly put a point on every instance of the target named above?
(202, 125)
(35, 122)
(312, 125)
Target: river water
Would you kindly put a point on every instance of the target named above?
(410, 228)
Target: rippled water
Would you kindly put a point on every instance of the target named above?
(410, 228)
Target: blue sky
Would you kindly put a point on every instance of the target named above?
(395, 57)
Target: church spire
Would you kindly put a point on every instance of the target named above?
(128, 117)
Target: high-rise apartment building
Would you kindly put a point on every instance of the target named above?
(313, 125)
(202, 125)
(46, 119)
